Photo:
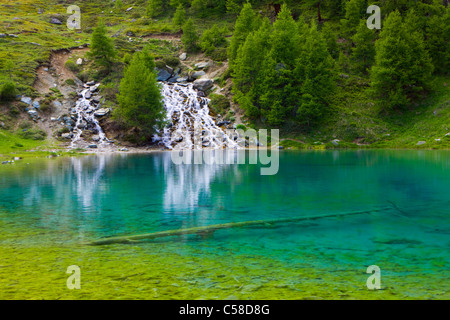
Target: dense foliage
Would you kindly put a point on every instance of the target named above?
(140, 100)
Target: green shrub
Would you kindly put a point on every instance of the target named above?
(8, 91)
(70, 82)
(219, 104)
(241, 127)
(72, 66)
(171, 61)
(33, 134)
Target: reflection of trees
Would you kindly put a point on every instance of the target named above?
(188, 185)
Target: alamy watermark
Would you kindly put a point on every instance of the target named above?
(74, 281)
(374, 21)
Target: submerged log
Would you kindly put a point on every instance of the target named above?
(210, 229)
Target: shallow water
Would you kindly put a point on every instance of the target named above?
(50, 208)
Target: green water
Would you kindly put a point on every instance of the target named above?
(48, 209)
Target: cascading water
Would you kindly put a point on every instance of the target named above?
(191, 126)
(85, 113)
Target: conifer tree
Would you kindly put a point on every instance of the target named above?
(155, 8)
(363, 54)
(180, 16)
(140, 99)
(190, 36)
(245, 23)
(102, 49)
(402, 65)
(316, 77)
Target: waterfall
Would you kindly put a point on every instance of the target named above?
(85, 114)
(191, 127)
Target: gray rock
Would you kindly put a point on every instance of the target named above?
(97, 99)
(88, 95)
(197, 74)
(92, 146)
(101, 112)
(129, 9)
(2, 124)
(420, 143)
(13, 35)
(280, 147)
(94, 88)
(335, 142)
(202, 65)
(123, 149)
(26, 100)
(173, 79)
(57, 104)
(183, 56)
(33, 113)
(55, 21)
(36, 105)
(90, 83)
(203, 84)
(79, 61)
(182, 79)
(163, 75)
(67, 135)
(169, 69)
(2, 35)
(437, 140)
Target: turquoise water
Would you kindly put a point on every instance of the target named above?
(68, 201)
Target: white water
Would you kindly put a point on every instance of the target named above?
(192, 127)
(85, 114)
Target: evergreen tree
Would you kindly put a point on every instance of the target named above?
(155, 8)
(402, 65)
(354, 11)
(363, 54)
(330, 38)
(102, 49)
(190, 36)
(316, 77)
(233, 6)
(140, 99)
(437, 41)
(245, 23)
(212, 38)
(179, 18)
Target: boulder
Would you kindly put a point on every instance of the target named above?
(97, 99)
(36, 105)
(33, 114)
(420, 143)
(26, 100)
(96, 138)
(173, 79)
(79, 61)
(335, 142)
(163, 75)
(57, 104)
(67, 135)
(202, 65)
(203, 84)
(90, 83)
(197, 75)
(101, 112)
(129, 9)
(88, 95)
(182, 79)
(94, 88)
(92, 146)
(55, 21)
(183, 56)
